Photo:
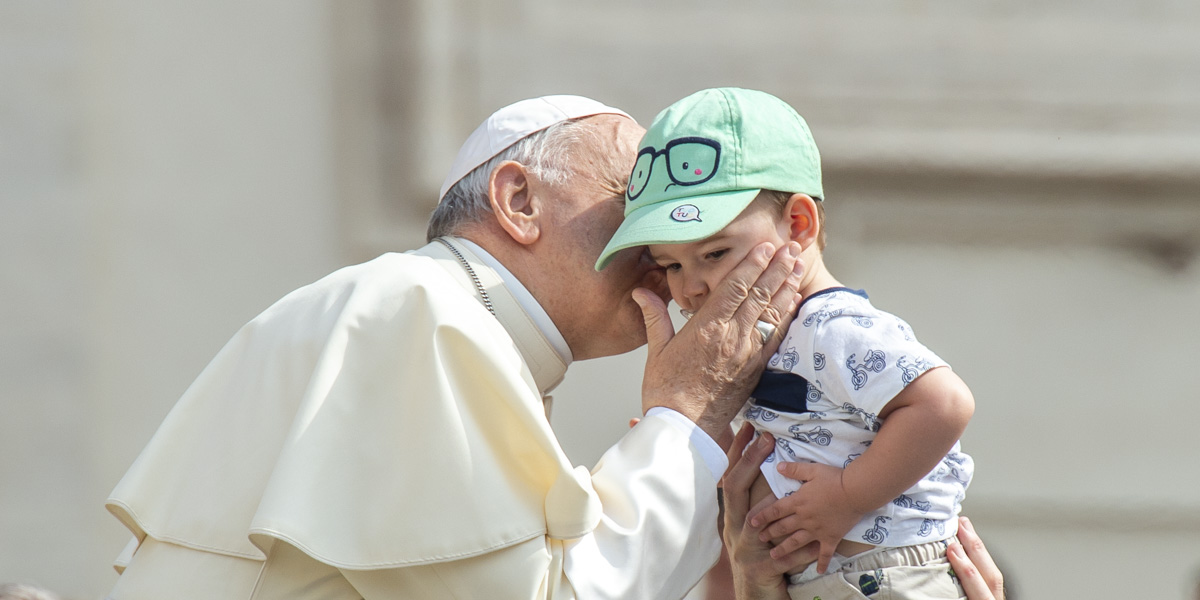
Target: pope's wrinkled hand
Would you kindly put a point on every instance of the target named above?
(707, 370)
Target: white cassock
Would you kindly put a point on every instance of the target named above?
(380, 434)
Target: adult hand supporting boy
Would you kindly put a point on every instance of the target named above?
(973, 565)
(707, 370)
(757, 575)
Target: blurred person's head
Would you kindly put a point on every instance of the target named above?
(22, 591)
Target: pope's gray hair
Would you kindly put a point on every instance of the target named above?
(545, 154)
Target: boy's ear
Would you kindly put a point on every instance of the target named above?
(800, 214)
(516, 207)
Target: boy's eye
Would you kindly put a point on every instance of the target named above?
(672, 267)
(716, 254)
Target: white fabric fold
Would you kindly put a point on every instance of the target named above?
(348, 418)
(531, 334)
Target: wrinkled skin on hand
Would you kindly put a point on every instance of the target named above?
(707, 370)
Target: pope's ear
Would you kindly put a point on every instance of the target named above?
(801, 218)
(515, 205)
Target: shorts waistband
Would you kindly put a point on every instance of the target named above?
(900, 556)
(876, 558)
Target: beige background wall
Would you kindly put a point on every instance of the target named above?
(1019, 180)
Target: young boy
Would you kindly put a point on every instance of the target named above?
(863, 414)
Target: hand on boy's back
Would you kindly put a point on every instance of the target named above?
(820, 511)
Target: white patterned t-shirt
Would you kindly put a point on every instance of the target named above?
(842, 361)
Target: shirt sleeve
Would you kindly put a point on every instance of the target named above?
(658, 533)
(708, 448)
(867, 359)
(656, 538)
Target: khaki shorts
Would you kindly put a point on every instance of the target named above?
(905, 573)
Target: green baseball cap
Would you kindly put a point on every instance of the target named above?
(703, 161)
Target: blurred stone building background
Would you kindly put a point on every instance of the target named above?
(1020, 180)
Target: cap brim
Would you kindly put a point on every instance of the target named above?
(654, 224)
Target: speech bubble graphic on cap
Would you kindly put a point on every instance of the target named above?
(686, 212)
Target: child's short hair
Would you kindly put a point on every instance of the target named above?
(781, 200)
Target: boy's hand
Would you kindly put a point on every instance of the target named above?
(819, 511)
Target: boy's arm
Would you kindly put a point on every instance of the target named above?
(921, 425)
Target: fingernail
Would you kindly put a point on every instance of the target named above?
(765, 441)
(793, 250)
(955, 549)
(798, 268)
(967, 524)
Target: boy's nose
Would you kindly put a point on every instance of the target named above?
(695, 290)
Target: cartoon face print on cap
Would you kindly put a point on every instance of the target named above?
(689, 161)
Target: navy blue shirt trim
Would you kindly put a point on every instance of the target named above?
(787, 392)
(781, 392)
(832, 290)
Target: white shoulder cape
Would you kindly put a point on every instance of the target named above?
(379, 417)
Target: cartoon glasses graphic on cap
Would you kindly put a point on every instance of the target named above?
(690, 161)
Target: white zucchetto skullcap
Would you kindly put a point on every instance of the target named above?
(515, 122)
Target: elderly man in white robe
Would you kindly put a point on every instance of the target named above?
(382, 432)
